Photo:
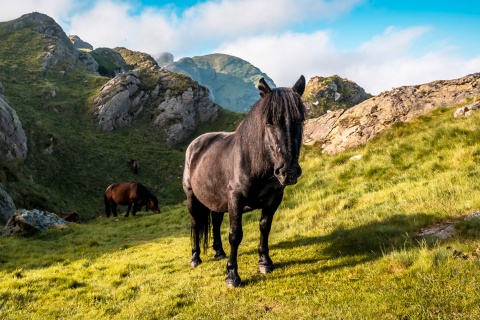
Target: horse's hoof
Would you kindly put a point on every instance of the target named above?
(265, 269)
(220, 255)
(195, 263)
(233, 283)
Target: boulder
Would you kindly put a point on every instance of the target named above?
(467, 110)
(24, 221)
(356, 126)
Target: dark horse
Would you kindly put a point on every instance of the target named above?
(240, 171)
(131, 194)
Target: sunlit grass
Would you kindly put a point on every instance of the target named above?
(344, 243)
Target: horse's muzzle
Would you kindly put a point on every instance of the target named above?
(288, 176)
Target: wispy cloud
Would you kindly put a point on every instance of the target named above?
(266, 33)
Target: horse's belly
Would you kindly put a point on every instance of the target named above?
(213, 198)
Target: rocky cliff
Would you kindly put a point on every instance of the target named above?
(344, 129)
(332, 93)
(13, 141)
(175, 102)
(232, 81)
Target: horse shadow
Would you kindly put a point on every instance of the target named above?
(357, 245)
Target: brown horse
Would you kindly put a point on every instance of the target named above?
(131, 194)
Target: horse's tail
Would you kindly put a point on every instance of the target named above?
(107, 204)
(202, 224)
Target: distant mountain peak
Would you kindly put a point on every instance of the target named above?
(232, 81)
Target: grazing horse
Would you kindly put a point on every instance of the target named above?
(134, 163)
(244, 170)
(131, 194)
(72, 217)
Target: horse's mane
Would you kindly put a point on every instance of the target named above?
(280, 103)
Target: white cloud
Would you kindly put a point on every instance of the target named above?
(259, 31)
(56, 9)
(376, 65)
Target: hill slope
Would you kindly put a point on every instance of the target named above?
(344, 243)
(70, 161)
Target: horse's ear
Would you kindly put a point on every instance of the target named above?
(299, 87)
(263, 87)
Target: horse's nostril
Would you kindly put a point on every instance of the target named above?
(279, 171)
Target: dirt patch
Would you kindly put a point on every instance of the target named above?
(446, 229)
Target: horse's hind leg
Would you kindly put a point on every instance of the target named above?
(217, 218)
(134, 209)
(114, 208)
(199, 215)
(128, 210)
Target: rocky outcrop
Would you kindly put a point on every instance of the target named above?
(24, 221)
(110, 62)
(88, 61)
(7, 207)
(60, 50)
(176, 102)
(231, 80)
(345, 129)
(179, 115)
(79, 43)
(13, 141)
(119, 102)
(467, 110)
(332, 93)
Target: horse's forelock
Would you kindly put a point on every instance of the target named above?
(282, 103)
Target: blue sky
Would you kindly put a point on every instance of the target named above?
(377, 43)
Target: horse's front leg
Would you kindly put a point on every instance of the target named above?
(217, 218)
(235, 237)
(265, 264)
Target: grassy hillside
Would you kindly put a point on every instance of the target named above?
(55, 110)
(344, 243)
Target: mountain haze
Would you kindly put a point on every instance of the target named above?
(232, 81)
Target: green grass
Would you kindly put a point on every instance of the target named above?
(343, 242)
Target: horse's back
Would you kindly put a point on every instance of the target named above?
(122, 193)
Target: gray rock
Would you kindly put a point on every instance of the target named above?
(13, 141)
(467, 110)
(79, 43)
(178, 116)
(88, 61)
(32, 220)
(176, 112)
